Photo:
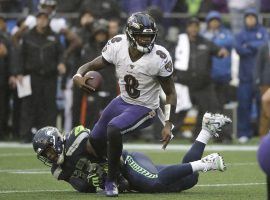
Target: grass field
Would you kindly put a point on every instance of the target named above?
(23, 177)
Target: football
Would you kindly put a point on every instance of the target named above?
(95, 79)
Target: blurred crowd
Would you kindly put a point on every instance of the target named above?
(220, 48)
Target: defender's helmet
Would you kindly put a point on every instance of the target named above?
(141, 24)
(48, 138)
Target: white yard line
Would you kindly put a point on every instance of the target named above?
(31, 191)
(185, 147)
(207, 185)
(242, 164)
(229, 184)
(23, 170)
(174, 147)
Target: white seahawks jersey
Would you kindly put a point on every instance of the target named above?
(138, 80)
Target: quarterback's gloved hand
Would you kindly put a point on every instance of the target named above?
(80, 81)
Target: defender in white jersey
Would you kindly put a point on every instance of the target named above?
(143, 68)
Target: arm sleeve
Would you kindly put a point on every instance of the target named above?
(259, 65)
(16, 59)
(229, 41)
(214, 49)
(60, 51)
(242, 48)
(255, 45)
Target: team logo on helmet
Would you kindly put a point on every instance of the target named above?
(135, 25)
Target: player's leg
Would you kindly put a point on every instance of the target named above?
(185, 176)
(140, 172)
(99, 133)
(133, 117)
(211, 125)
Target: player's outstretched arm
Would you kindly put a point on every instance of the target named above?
(94, 65)
(168, 87)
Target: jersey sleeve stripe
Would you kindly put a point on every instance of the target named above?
(76, 143)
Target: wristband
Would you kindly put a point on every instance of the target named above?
(169, 111)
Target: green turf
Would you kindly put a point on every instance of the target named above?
(242, 169)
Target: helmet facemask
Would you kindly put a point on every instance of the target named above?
(142, 48)
(43, 156)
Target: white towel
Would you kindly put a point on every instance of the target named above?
(182, 52)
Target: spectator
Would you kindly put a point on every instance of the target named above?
(15, 76)
(85, 26)
(193, 63)
(262, 81)
(86, 21)
(40, 55)
(114, 27)
(248, 41)
(58, 25)
(237, 9)
(221, 67)
(4, 74)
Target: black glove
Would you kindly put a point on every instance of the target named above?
(96, 175)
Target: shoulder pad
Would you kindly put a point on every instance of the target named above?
(79, 129)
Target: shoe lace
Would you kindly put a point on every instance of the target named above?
(209, 160)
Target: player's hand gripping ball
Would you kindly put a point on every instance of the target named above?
(93, 79)
(90, 82)
(263, 154)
